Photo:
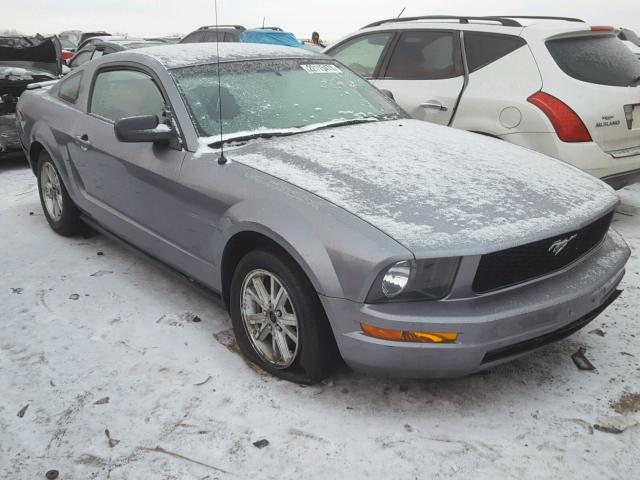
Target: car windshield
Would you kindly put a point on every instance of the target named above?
(286, 95)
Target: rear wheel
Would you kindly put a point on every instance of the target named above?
(61, 213)
(278, 319)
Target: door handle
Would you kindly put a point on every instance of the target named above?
(435, 105)
(83, 141)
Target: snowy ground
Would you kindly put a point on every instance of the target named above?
(85, 327)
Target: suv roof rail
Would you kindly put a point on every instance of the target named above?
(213, 27)
(507, 22)
(536, 17)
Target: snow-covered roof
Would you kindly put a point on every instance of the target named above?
(186, 54)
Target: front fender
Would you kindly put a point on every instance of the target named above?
(289, 229)
(340, 253)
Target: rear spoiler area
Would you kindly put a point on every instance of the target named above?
(587, 31)
(37, 85)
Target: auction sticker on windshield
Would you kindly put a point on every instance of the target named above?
(321, 68)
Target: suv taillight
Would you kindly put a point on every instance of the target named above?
(565, 121)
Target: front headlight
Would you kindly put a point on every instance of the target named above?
(396, 279)
(414, 280)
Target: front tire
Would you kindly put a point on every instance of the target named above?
(278, 319)
(61, 213)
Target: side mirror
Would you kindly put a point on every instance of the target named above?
(387, 93)
(145, 128)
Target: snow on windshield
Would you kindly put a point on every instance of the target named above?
(277, 95)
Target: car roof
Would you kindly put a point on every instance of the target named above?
(189, 54)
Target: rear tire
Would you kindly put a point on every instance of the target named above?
(61, 213)
(286, 317)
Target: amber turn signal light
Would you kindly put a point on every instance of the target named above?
(407, 336)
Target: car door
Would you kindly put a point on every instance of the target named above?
(128, 187)
(362, 54)
(425, 74)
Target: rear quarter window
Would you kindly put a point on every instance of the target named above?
(600, 60)
(483, 49)
(69, 88)
(194, 37)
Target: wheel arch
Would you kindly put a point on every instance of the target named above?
(251, 237)
(35, 149)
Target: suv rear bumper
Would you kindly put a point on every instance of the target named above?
(493, 328)
(588, 156)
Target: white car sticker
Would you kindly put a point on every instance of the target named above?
(321, 68)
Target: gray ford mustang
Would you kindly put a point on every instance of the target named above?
(332, 225)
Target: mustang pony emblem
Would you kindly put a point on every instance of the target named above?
(559, 245)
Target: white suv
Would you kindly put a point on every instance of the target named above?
(554, 85)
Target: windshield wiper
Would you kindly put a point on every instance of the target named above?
(343, 123)
(287, 133)
(635, 81)
(250, 136)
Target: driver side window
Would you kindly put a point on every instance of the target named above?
(362, 53)
(119, 94)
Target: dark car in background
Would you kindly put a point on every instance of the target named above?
(76, 38)
(23, 61)
(98, 48)
(170, 39)
(215, 33)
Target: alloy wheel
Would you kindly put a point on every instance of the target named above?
(52, 192)
(269, 318)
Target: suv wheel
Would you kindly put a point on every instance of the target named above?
(62, 214)
(278, 320)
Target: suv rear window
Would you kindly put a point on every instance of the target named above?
(485, 48)
(601, 60)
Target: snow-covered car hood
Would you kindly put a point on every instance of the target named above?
(436, 190)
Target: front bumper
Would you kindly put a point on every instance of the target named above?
(493, 328)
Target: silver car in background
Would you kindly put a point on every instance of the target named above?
(332, 225)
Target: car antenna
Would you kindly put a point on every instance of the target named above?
(221, 159)
(400, 14)
(263, 20)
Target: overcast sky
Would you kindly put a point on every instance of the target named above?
(332, 18)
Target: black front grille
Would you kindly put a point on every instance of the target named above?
(526, 262)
